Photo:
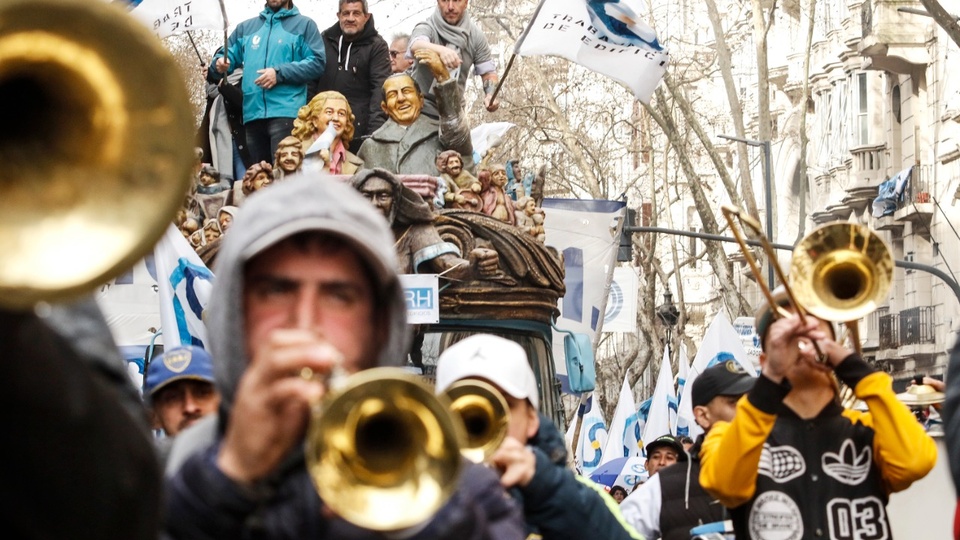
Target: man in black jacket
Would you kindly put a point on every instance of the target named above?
(362, 64)
(672, 502)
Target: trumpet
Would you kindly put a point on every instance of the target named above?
(484, 412)
(839, 272)
(383, 450)
(96, 146)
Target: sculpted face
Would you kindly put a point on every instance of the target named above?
(261, 180)
(225, 221)
(401, 101)
(530, 208)
(380, 193)
(289, 158)
(454, 166)
(352, 18)
(452, 10)
(207, 179)
(334, 110)
(499, 177)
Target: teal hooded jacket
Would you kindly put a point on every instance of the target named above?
(283, 40)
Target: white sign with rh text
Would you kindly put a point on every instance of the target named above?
(421, 295)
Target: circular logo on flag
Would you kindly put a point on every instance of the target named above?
(614, 302)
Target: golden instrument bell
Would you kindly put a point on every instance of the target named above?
(383, 450)
(841, 272)
(96, 147)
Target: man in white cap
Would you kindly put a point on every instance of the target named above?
(532, 458)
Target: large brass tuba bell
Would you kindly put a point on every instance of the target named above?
(95, 150)
(841, 272)
(484, 412)
(383, 450)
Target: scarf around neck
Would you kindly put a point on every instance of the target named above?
(454, 35)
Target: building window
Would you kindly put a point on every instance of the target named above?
(863, 120)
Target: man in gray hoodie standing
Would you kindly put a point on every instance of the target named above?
(306, 280)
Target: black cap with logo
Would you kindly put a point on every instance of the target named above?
(724, 379)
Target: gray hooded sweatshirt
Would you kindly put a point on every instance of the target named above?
(202, 501)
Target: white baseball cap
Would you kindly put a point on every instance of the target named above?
(494, 359)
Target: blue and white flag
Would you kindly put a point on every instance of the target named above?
(683, 371)
(663, 407)
(171, 17)
(606, 36)
(184, 286)
(593, 436)
(587, 233)
(622, 437)
(720, 343)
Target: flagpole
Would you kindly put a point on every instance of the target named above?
(195, 49)
(513, 55)
(576, 432)
(493, 96)
(223, 12)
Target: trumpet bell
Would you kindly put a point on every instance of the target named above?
(484, 412)
(841, 272)
(383, 453)
(96, 146)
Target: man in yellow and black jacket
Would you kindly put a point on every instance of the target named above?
(794, 463)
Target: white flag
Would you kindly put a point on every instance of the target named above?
(184, 285)
(683, 371)
(720, 343)
(593, 436)
(486, 135)
(664, 403)
(607, 37)
(622, 438)
(582, 231)
(171, 17)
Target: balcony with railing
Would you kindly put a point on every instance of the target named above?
(907, 334)
(916, 205)
(866, 175)
(892, 40)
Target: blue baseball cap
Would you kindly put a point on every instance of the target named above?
(189, 362)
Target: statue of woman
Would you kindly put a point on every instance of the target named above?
(328, 112)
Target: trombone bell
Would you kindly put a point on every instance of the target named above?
(484, 412)
(841, 272)
(96, 146)
(383, 452)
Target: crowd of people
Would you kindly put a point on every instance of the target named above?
(285, 97)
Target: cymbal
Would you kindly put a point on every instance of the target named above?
(921, 395)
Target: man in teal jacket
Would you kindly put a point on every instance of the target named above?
(280, 51)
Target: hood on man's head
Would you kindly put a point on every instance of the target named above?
(300, 203)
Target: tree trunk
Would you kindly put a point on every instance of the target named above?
(760, 30)
(734, 302)
(943, 18)
(736, 110)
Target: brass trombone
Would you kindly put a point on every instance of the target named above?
(383, 450)
(484, 412)
(96, 147)
(839, 272)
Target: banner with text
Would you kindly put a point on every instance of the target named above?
(606, 36)
(420, 291)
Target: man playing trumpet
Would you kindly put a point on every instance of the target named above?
(793, 463)
(532, 457)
